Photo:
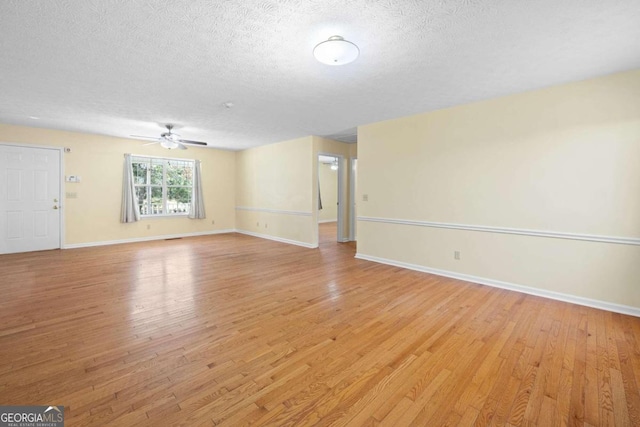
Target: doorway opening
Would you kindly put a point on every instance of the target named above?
(330, 195)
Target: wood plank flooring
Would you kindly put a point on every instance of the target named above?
(234, 330)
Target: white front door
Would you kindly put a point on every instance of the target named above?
(29, 199)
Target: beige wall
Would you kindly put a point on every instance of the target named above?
(564, 159)
(94, 216)
(277, 189)
(269, 191)
(328, 179)
(273, 191)
(353, 150)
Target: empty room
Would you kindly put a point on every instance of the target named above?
(288, 213)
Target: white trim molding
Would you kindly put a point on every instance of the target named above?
(325, 221)
(178, 236)
(634, 241)
(146, 239)
(353, 173)
(602, 305)
(276, 211)
(277, 239)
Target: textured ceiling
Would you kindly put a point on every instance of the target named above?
(121, 67)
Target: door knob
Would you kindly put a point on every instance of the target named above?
(55, 200)
(55, 207)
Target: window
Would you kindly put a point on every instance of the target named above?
(163, 186)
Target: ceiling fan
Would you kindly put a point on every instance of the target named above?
(170, 140)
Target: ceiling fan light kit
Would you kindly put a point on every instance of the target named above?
(169, 144)
(336, 51)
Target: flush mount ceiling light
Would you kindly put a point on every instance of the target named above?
(336, 51)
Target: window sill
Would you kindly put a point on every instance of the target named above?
(171, 215)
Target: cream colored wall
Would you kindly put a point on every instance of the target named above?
(562, 159)
(353, 150)
(329, 191)
(276, 188)
(273, 191)
(273, 187)
(94, 216)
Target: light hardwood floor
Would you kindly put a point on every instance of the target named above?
(236, 330)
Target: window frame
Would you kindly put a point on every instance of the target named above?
(165, 161)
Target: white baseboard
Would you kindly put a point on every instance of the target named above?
(603, 305)
(145, 239)
(324, 221)
(276, 211)
(177, 236)
(277, 239)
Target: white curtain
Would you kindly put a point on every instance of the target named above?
(197, 201)
(130, 212)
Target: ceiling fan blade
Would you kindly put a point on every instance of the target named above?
(151, 143)
(187, 141)
(144, 137)
(181, 146)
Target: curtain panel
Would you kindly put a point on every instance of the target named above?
(130, 211)
(197, 201)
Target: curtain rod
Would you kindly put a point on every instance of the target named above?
(163, 158)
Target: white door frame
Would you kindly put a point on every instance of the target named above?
(61, 178)
(352, 203)
(340, 157)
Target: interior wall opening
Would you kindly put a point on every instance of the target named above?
(330, 213)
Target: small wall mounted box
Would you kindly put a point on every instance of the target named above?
(72, 178)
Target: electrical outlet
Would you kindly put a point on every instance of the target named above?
(148, 226)
(265, 225)
(456, 255)
(258, 224)
(365, 197)
(213, 221)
